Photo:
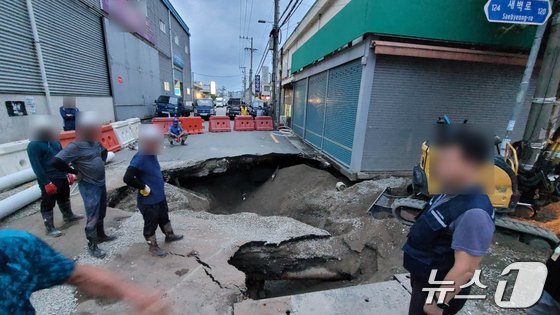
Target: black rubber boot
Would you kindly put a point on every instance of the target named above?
(170, 236)
(67, 214)
(101, 236)
(48, 220)
(154, 248)
(95, 251)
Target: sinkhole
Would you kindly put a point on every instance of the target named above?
(301, 188)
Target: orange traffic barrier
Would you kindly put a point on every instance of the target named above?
(264, 123)
(219, 124)
(163, 123)
(108, 138)
(66, 137)
(244, 123)
(193, 125)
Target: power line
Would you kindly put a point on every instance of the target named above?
(217, 76)
(292, 11)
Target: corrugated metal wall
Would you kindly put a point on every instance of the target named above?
(19, 71)
(298, 118)
(73, 48)
(342, 106)
(315, 110)
(409, 94)
(329, 110)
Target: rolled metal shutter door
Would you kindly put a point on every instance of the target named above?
(315, 109)
(73, 48)
(19, 69)
(300, 91)
(342, 105)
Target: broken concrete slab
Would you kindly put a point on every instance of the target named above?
(210, 285)
(377, 298)
(404, 280)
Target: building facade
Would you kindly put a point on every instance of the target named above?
(108, 56)
(367, 93)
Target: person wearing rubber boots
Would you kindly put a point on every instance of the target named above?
(54, 184)
(454, 231)
(144, 174)
(87, 157)
(177, 133)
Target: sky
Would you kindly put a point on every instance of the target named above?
(216, 25)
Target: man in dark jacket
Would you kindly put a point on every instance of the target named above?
(455, 230)
(87, 156)
(68, 112)
(549, 303)
(144, 174)
(54, 184)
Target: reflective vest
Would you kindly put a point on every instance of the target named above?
(429, 240)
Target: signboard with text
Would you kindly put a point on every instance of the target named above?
(528, 12)
(257, 83)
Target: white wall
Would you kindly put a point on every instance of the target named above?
(17, 128)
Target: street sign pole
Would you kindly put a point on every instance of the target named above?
(527, 12)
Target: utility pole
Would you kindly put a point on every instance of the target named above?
(544, 101)
(274, 35)
(244, 82)
(251, 50)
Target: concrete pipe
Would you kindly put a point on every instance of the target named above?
(19, 200)
(16, 179)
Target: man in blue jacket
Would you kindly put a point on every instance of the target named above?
(144, 174)
(455, 230)
(176, 131)
(54, 184)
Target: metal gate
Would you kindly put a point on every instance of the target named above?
(19, 69)
(342, 105)
(325, 107)
(298, 119)
(315, 109)
(73, 48)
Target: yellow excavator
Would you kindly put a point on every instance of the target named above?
(514, 192)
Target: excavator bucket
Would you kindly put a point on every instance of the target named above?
(383, 202)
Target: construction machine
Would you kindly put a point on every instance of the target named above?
(514, 192)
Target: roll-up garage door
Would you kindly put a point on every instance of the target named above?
(300, 90)
(19, 69)
(73, 48)
(315, 109)
(341, 108)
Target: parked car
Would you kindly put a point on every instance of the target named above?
(171, 106)
(219, 102)
(259, 108)
(233, 107)
(204, 108)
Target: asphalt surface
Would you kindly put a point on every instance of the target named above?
(222, 144)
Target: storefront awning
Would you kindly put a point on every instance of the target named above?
(448, 53)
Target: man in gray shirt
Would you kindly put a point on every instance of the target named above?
(87, 157)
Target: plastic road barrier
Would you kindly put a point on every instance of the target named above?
(264, 123)
(219, 124)
(124, 132)
(193, 125)
(66, 137)
(13, 157)
(163, 123)
(244, 123)
(134, 125)
(109, 138)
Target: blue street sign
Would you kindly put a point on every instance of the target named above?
(530, 12)
(257, 83)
